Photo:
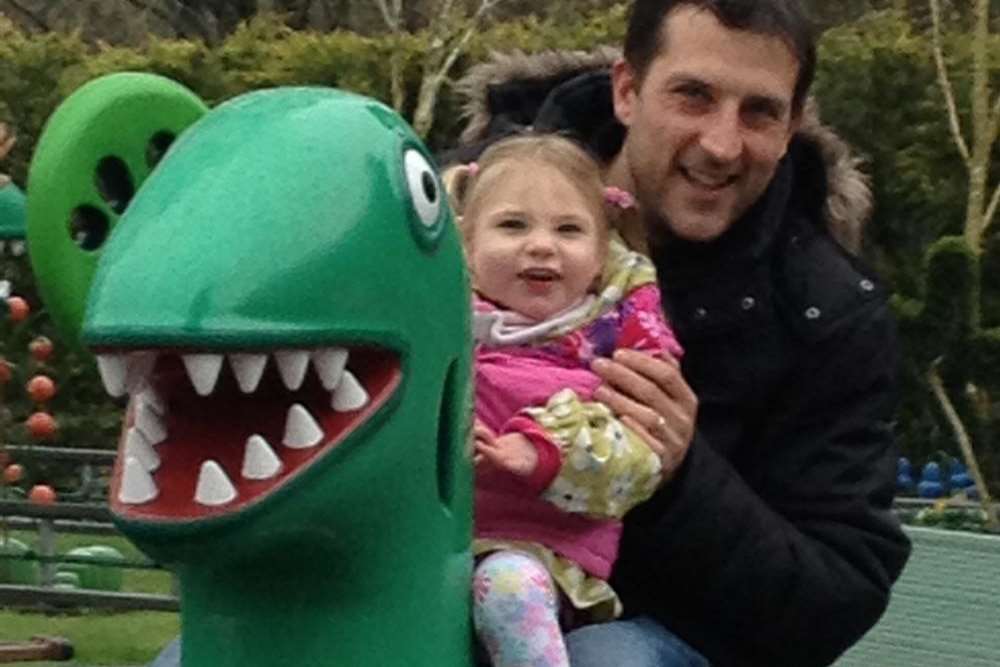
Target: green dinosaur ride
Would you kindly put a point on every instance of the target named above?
(284, 300)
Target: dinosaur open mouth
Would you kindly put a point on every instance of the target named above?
(208, 433)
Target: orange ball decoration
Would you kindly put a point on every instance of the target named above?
(18, 308)
(41, 425)
(42, 494)
(41, 388)
(13, 473)
(40, 348)
(5, 371)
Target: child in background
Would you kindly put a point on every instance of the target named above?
(555, 470)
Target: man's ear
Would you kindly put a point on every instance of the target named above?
(625, 89)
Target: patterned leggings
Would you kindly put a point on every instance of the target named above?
(515, 610)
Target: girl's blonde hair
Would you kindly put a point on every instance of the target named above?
(466, 184)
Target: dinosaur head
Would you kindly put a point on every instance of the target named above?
(284, 301)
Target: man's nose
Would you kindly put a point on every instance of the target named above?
(722, 137)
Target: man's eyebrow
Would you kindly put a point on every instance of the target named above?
(687, 79)
(776, 104)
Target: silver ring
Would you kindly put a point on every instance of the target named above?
(660, 427)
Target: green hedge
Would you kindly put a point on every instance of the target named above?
(875, 83)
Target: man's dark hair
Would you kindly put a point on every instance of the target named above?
(778, 18)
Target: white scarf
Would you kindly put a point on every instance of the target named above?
(497, 328)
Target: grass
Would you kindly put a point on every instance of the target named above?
(99, 637)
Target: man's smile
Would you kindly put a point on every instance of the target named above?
(707, 180)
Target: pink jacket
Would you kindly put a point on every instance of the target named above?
(511, 378)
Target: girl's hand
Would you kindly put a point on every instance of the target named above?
(512, 452)
(651, 397)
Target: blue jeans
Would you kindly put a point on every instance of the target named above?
(637, 642)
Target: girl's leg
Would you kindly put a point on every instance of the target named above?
(515, 610)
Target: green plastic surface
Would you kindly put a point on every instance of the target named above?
(14, 570)
(945, 609)
(103, 576)
(294, 218)
(12, 204)
(96, 149)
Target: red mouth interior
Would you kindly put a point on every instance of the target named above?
(217, 427)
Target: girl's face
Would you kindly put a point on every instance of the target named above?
(537, 245)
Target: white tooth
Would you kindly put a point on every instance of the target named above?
(292, 364)
(248, 369)
(137, 485)
(203, 369)
(149, 424)
(151, 399)
(330, 365)
(112, 368)
(259, 460)
(349, 394)
(214, 487)
(138, 368)
(136, 446)
(301, 430)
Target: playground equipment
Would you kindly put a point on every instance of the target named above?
(12, 217)
(283, 298)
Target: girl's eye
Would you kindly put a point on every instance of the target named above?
(570, 229)
(423, 186)
(511, 223)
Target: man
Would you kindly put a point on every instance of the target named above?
(772, 541)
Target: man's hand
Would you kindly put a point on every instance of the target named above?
(652, 398)
(512, 452)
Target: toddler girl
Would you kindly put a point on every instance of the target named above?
(555, 470)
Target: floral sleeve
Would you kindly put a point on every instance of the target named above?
(643, 326)
(606, 468)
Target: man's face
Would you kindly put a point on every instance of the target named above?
(707, 124)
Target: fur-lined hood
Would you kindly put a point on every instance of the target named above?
(511, 91)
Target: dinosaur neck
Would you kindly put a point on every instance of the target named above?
(395, 608)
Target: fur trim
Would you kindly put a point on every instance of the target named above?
(517, 65)
(849, 198)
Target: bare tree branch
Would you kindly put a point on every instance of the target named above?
(31, 15)
(991, 209)
(153, 9)
(964, 443)
(391, 15)
(945, 82)
(994, 129)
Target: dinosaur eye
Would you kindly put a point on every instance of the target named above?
(423, 186)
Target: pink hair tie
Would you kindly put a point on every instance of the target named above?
(473, 168)
(618, 197)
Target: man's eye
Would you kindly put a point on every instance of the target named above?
(761, 113)
(694, 93)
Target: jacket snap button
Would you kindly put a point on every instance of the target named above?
(867, 285)
(748, 303)
(700, 313)
(813, 313)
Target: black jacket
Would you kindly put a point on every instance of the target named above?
(775, 544)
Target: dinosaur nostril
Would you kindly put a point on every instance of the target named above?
(114, 183)
(157, 147)
(88, 227)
